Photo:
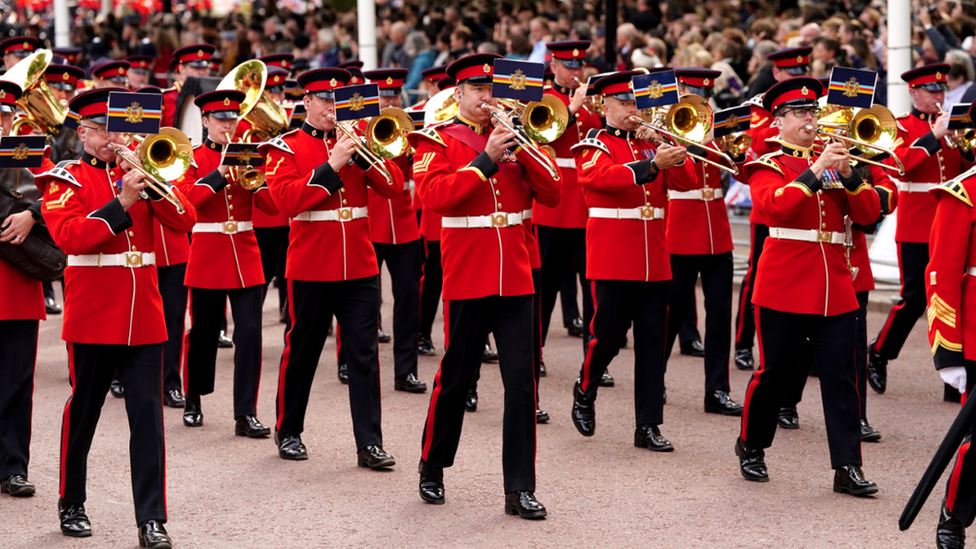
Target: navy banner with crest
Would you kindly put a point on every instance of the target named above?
(518, 80)
(22, 151)
(139, 113)
(356, 102)
(851, 87)
(658, 89)
(959, 117)
(736, 119)
(242, 154)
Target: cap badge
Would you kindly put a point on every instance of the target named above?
(654, 90)
(227, 101)
(389, 80)
(805, 91)
(575, 53)
(133, 113)
(799, 58)
(938, 76)
(354, 80)
(121, 70)
(333, 82)
(3, 94)
(518, 79)
(27, 45)
(357, 102)
(706, 82)
(285, 64)
(199, 53)
(66, 76)
(486, 68)
(851, 88)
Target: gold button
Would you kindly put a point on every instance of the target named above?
(648, 193)
(231, 218)
(647, 204)
(344, 201)
(823, 202)
(493, 181)
(342, 190)
(231, 206)
(824, 225)
(133, 248)
(132, 233)
(499, 205)
(230, 196)
(706, 176)
(498, 192)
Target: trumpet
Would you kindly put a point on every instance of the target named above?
(160, 158)
(735, 144)
(963, 140)
(363, 149)
(531, 147)
(249, 177)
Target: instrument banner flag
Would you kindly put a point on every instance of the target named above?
(71, 120)
(357, 102)
(134, 112)
(298, 115)
(851, 87)
(418, 119)
(959, 117)
(243, 154)
(729, 121)
(22, 151)
(658, 89)
(518, 80)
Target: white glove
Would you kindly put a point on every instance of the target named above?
(955, 376)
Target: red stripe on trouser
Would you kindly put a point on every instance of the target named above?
(954, 479)
(186, 345)
(429, 427)
(894, 310)
(746, 290)
(755, 380)
(585, 381)
(339, 341)
(285, 355)
(66, 421)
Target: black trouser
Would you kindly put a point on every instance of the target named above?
(140, 370)
(567, 298)
(562, 251)
(469, 322)
(206, 312)
(355, 304)
(961, 487)
(430, 286)
(404, 264)
(18, 355)
(273, 243)
(912, 260)
(832, 341)
(173, 291)
(688, 333)
(618, 303)
(745, 322)
(861, 351)
(716, 275)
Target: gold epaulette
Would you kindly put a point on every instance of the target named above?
(956, 189)
(767, 160)
(431, 133)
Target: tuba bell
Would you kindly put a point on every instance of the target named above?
(44, 112)
(267, 119)
(441, 107)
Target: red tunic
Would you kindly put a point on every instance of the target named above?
(168, 117)
(614, 171)
(700, 225)
(107, 305)
(394, 220)
(218, 260)
(301, 181)
(21, 297)
(888, 193)
(797, 276)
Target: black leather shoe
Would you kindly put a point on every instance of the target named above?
(153, 535)
(192, 413)
(541, 416)
(524, 504)
(489, 355)
(788, 418)
(868, 433)
(174, 398)
(649, 436)
(425, 347)
(116, 388)
(74, 521)
(250, 427)
(382, 336)
(752, 461)
(290, 447)
(850, 479)
(877, 369)
(52, 306)
(431, 483)
(695, 348)
(584, 414)
(374, 457)
(743, 359)
(719, 402)
(542, 368)
(606, 380)
(471, 402)
(410, 384)
(343, 373)
(224, 342)
(17, 486)
(951, 533)
(950, 394)
(575, 328)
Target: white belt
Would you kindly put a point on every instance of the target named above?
(628, 213)
(225, 227)
(127, 259)
(566, 163)
(341, 214)
(807, 235)
(495, 220)
(908, 187)
(972, 270)
(526, 214)
(697, 194)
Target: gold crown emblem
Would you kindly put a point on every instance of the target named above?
(654, 90)
(389, 80)
(938, 76)
(852, 87)
(805, 91)
(3, 94)
(486, 68)
(133, 113)
(227, 101)
(519, 80)
(575, 53)
(357, 102)
(21, 151)
(333, 82)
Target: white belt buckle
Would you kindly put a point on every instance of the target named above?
(345, 214)
(132, 259)
(499, 220)
(825, 236)
(647, 213)
(708, 194)
(230, 227)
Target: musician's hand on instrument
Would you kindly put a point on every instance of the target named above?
(576, 101)
(669, 156)
(501, 139)
(941, 127)
(16, 227)
(831, 157)
(133, 183)
(342, 151)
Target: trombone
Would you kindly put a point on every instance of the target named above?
(386, 134)
(872, 130)
(160, 158)
(363, 148)
(249, 177)
(544, 121)
(531, 147)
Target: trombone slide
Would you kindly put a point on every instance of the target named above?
(363, 149)
(527, 144)
(731, 168)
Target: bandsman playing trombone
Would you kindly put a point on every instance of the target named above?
(224, 263)
(96, 213)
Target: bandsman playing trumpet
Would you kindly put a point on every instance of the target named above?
(224, 263)
(96, 213)
(803, 283)
(188, 61)
(929, 161)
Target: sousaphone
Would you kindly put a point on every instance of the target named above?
(44, 112)
(267, 119)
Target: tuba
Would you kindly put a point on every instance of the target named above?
(267, 119)
(44, 113)
(441, 107)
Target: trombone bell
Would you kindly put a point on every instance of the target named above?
(386, 134)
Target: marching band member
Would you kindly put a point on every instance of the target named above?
(928, 162)
(189, 61)
(467, 172)
(224, 264)
(96, 215)
(63, 81)
(625, 180)
(140, 70)
(18, 47)
(327, 200)
(803, 284)
(110, 74)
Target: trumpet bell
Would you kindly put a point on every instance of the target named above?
(441, 107)
(44, 111)
(690, 118)
(167, 155)
(250, 178)
(258, 108)
(545, 121)
(386, 134)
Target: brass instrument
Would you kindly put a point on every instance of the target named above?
(963, 139)
(248, 177)
(364, 149)
(872, 130)
(441, 107)
(687, 122)
(386, 134)
(160, 158)
(44, 112)
(537, 153)
(544, 121)
(267, 119)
